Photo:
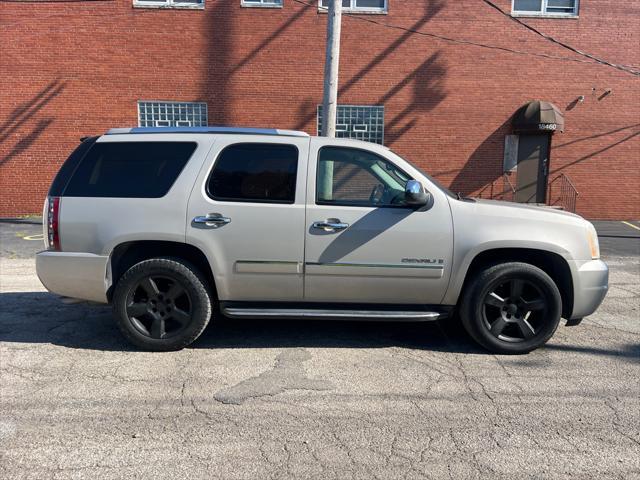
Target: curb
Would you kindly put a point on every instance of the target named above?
(24, 221)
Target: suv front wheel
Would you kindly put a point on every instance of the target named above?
(162, 304)
(511, 308)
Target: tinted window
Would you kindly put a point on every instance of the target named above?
(129, 169)
(64, 174)
(348, 176)
(255, 172)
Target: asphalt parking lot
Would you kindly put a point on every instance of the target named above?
(260, 400)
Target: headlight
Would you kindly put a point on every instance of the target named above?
(592, 238)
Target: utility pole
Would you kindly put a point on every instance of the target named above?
(331, 67)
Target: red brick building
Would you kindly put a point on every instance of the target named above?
(450, 75)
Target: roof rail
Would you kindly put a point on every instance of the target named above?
(219, 130)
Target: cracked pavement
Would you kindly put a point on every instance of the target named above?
(332, 400)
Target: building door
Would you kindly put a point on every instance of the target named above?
(533, 168)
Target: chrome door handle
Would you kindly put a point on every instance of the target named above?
(212, 220)
(331, 225)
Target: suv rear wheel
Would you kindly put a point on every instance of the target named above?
(511, 308)
(162, 304)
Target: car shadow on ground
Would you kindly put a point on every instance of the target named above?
(40, 317)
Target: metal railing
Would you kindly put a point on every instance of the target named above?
(492, 191)
(563, 193)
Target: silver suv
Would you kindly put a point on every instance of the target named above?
(171, 224)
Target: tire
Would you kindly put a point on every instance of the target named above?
(511, 308)
(162, 304)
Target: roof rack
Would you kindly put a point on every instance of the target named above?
(219, 130)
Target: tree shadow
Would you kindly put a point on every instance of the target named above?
(427, 80)
(26, 141)
(428, 93)
(15, 124)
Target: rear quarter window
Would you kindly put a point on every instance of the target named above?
(129, 169)
(63, 176)
(255, 172)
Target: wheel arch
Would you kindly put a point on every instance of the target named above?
(553, 264)
(127, 254)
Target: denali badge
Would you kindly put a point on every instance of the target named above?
(439, 261)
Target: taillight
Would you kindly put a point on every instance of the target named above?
(53, 223)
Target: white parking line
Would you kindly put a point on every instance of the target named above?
(38, 236)
(631, 225)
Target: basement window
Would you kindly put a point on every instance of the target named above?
(197, 4)
(261, 3)
(359, 122)
(545, 8)
(359, 6)
(172, 114)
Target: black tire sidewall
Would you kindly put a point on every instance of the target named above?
(189, 278)
(485, 281)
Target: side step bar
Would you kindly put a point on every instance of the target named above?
(330, 314)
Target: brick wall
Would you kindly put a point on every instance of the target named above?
(73, 69)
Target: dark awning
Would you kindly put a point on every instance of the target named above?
(538, 116)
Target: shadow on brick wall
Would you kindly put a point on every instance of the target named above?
(18, 122)
(267, 41)
(598, 151)
(485, 163)
(428, 91)
(427, 80)
(220, 30)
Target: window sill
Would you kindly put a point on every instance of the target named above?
(545, 15)
(169, 7)
(250, 5)
(356, 12)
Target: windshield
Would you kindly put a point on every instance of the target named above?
(431, 179)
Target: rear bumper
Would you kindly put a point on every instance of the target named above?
(590, 285)
(76, 275)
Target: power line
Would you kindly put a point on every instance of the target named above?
(591, 58)
(624, 68)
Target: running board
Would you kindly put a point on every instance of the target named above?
(330, 314)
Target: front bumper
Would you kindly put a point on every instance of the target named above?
(590, 285)
(76, 275)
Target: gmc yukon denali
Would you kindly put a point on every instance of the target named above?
(173, 225)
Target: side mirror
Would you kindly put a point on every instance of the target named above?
(415, 195)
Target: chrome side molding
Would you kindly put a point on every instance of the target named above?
(329, 314)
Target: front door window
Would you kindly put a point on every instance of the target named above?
(352, 177)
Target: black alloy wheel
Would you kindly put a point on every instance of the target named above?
(162, 304)
(159, 307)
(511, 308)
(515, 311)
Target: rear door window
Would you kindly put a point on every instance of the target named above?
(130, 169)
(255, 172)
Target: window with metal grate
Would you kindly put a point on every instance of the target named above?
(172, 114)
(359, 122)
